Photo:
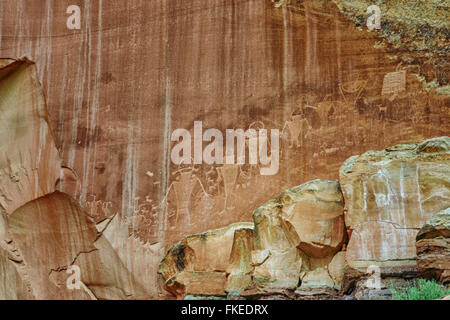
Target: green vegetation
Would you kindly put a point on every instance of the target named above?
(421, 289)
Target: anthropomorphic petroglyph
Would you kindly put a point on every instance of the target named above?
(298, 127)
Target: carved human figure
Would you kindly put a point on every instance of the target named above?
(183, 192)
(229, 175)
(298, 126)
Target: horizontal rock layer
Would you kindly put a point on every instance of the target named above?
(433, 248)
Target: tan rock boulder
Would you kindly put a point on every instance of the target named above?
(303, 223)
(197, 283)
(276, 257)
(208, 251)
(389, 195)
(336, 269)
(240, 267)
(210, 257)
(315, 211)
(309, 216)
(29, 161)
(271, 230)
(323, 274)
(277, 268)
(433, 248)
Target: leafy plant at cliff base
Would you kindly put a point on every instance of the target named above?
(421, 289)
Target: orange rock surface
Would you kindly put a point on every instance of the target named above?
(136, 70)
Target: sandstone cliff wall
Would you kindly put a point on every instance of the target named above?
(138, 69)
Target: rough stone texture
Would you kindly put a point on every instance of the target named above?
(381, 243)
(218, 258)
(336, 269)
(389, 195)
(437, 227)
(309, 216)
(318, 278)
(433, 248)
(240, 267)
(211, 264)
(12, 288)
(301, 224)
(29, 160)
(280, 268)
(323, 274)
(43, 232)
(315, 211)
(53, 233)
(118, 87)
(141, 259)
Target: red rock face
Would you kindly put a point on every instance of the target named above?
(137, 70)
